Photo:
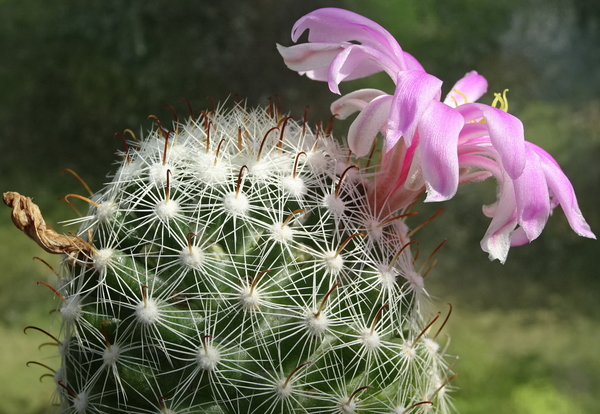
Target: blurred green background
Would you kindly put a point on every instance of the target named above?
(74, 72)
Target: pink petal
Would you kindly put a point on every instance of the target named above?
(412, 63)
(309, 56)
(337, 25)
(438, 132)
(506, 134)
(472, 132)
(531, 194)
(563, 192)
(518, 237)
(368, 123)
(354, 102)
(497, 239)
(415, 90)
(472, 86)
(357, 62)
(480, 161)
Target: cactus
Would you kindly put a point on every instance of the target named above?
(234, 264)
(246, 263)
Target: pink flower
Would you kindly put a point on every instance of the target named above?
(430, 144)
(332, 56)
(527, 202)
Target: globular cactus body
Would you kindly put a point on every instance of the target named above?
(236, 265)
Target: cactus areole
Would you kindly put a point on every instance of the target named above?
(235, 265)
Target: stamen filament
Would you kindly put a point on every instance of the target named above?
(164, 160)
(292, 214)
(425, 330)
(189, 241)
(282, 124)
(72, 206)
(44, 332)
(218, 151)
(359, 390)
(41, 365)
(329, 125)
(256, 279)
(289, 377)
(189, 105)
(376, 318)
(393, 262)
(176, 118)
(130, 132)
(314, 148)
(419, 227)
(46, 263)
(339, 250)
(207, 131)
(270, 107)
(462, 95)
(204, 346)
(444, 323)
(322, 305)
(339, 184)
(82, 198)
(56, 292)
(415, 405)
(212, 103)
(69, 390)
(160, 128)
(304, 121)
(168, 187)
(79, 179)
(424, 275)
(262, 144)
(386, 221)
(105, 334)
(295, 170)
(124, 141)
(240, 139)
(373, 148)
(431, 255)
(145, 294)
(443, 385)
(239, 181)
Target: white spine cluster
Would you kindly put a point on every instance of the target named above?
(240, 268)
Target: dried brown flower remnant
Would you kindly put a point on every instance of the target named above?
(28, 218)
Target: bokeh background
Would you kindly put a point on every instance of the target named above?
(74, 72)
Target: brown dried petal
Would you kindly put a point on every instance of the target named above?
(28, 218)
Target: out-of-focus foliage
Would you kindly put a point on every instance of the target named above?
(74, 72)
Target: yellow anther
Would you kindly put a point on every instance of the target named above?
(501, 100)
(461, 94)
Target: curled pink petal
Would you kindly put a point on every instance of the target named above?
(412, 63)
(518, 237)
(354, 102)
(309, 56)
(367, 124)
(506, 134)
(497, 239)
(356, 62)
(472, 132)
(532, 198)
(415, 90)
(562, 193)
(438, 131)
(468, 89)
(338, 25)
